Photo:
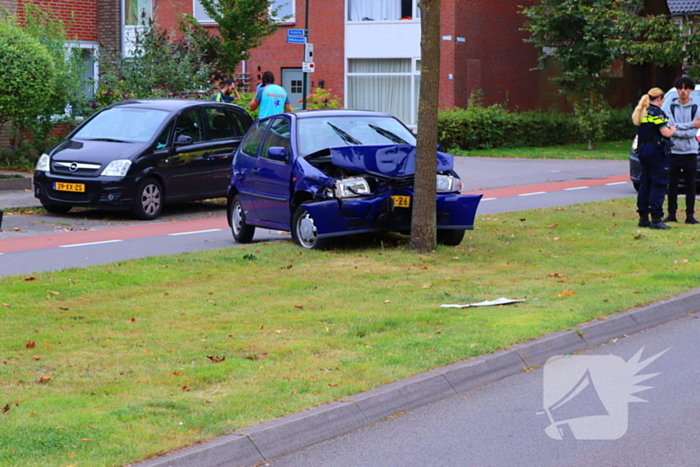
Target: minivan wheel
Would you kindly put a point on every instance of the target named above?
(304, 231)
(56, 208)
(450, 237)
(242, 232)
(148, 203)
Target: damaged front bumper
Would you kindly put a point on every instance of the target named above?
(348, 216)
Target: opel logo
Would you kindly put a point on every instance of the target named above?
(73, 167)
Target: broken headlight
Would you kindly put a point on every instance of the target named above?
(448, 183)
(350, 187)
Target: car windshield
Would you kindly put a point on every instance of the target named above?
(123, 124)
(314, 134)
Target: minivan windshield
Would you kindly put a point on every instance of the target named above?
(314, 134)
(123, 124)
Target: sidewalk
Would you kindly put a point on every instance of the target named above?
(17, 192)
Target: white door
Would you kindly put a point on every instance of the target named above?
(292, 82)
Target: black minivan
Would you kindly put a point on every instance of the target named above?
(139, 155)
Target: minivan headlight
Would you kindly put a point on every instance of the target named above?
(43, 163)
(350, 187)
(448, 183)
(117, 168)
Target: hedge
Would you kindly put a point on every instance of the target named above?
(493, 127)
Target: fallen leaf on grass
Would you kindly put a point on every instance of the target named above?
(566, 293)
(258, 356)
(6, 305)
(44, 379)
(301, 307)
(681, 261)
(30, 279)
(30, 345)
(556, 274)
(185, 388)
(6, 408)
(216, 359)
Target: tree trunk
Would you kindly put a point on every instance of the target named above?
(423, 231)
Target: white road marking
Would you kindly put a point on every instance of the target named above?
(87, 244)
(533, 194)
(616, 183)
(195, 232)
(576, 188)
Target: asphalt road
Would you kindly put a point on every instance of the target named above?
(502, 425)
(46, 242)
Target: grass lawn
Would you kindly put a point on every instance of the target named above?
(106, 365)
(610, 150)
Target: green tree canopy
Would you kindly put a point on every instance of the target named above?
(585, 37)
(243, 25)
(26, 68)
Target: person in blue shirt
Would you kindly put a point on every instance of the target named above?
(270, 98)
(652, 128)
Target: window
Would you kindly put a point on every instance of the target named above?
(382, 10)
(385, 85)
(219, 124)
(252, 141)
(189, 123)
(135, 10)
(284, 8)
(278, 136)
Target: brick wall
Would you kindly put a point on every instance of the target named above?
(80, 15)
(8, 5)
(108, 14)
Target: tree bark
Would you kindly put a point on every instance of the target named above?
(423, 223)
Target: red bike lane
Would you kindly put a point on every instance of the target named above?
(108, 235)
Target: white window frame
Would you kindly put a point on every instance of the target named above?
(294, 8)
(129, 31)
(415, 13)
(202, 18)
(414, 73)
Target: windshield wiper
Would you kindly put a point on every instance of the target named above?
(110, 140)
(346, 137)
(388, 134)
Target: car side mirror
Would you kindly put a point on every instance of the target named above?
(277, 153)
(183, 140)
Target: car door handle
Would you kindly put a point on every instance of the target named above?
(255, 171)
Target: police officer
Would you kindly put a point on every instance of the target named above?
(652, 124)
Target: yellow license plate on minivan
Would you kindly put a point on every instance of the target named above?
(76, 187)
(401, 201)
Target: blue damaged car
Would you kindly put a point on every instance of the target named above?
(327, 173)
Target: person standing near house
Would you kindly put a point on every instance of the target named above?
(224, 94)
(270, 98)
(652, 126)
(683, 113)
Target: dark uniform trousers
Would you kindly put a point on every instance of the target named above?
(654, 180)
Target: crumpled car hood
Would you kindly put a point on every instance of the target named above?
(395, 160)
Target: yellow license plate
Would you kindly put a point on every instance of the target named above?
(60, 186)
(401, 201)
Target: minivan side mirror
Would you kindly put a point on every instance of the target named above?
(183, 140)
(277, 153)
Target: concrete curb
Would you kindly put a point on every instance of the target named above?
(267, 441)
(23, 183)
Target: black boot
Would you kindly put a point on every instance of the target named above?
(671, 217)
(644, 220)
(691, 220)
(657, 223)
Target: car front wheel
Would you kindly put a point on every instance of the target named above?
(242, 232)
(450, 237)
(304, 230)
(149, 200)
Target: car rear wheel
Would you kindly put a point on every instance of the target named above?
(450, 237)
(304, 230)
(56, 208)
(242, 232)
(149, 200)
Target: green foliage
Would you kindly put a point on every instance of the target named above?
(493, 127)
(591, 118)
(162, 66)
(243, 25)
(27, 70)
(321, 98)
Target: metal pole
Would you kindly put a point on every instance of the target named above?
(306, 75)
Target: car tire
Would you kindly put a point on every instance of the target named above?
(450, 237)
(56, 208)
(148, 203)
(242, 232)
(304, 231)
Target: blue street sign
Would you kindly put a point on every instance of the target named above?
(295, 32)
(296, 40)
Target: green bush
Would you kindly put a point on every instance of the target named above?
(493, 127)
(27, 69)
